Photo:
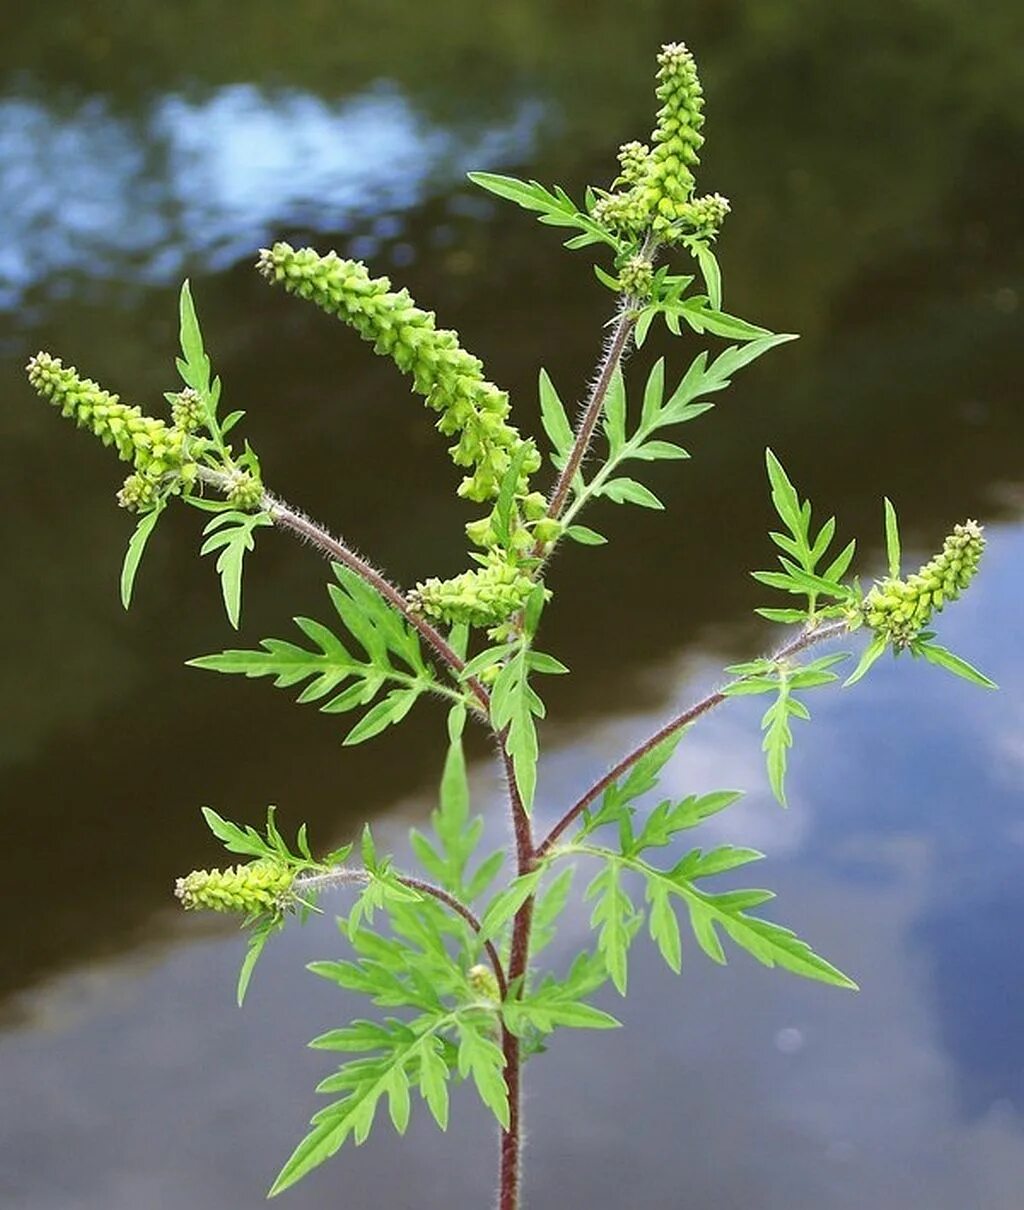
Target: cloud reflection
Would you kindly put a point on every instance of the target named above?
(94, 192)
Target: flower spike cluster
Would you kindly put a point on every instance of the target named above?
(484, 596)
(900, 609)
(470, 408)
(260, 886)
(658, 185)
(159, 452)
(676, 137)
(450, 379)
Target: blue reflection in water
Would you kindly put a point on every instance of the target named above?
(92, 192)
(737, 1087)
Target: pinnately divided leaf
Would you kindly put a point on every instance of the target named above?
(336, 678)
(728, 911)
(395, 1055)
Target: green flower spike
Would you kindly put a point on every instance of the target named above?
(659, 183)
(900, 609)
(676, 137)
(443, 372)
(260, 886)
(485, 596)
(154, 448)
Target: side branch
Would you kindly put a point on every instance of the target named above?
(344, 874)
(286, 517)
(808, 638)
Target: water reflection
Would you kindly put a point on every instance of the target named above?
(92, 193)
(904, 1094)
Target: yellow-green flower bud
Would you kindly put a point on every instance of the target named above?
(260, 886)
(676, 137)
(450, 379)
(484, 984)
(626, 212)
(154, 448)
(704, 215)
(534, 506)
(245, 491)
(636, 277)
(484, 596)
(139, 493)
(900, 609)
(547, 529)
(634, 159)
(187, 410)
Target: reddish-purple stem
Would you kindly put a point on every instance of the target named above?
(807, 639)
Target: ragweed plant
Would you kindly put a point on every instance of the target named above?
(449, 954)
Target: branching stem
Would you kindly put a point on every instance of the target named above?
(805, 639)
(345, 874)
(287, 517)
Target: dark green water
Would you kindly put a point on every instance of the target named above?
(873, 153)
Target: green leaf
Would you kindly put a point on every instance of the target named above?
(892, 539)
(554, 208)
(664, 927)
(337, 679)
(232, 534)
(614, 917)
(323, 1141)
(514, 704)
(709, 271)
(481, 1058)
(654, 393)
(133, 555)
(553, 1005)
(585, 536)
(615, 412)
(553, 416)
(387, 712)
(652, 451)
(871, 653)
(628, 491)
(528, 194)
(784, 497)
(935, 654)
(507, 903)
(258, 938)
(193, 353)
(502, 515)
(434, 1083)
(549, 907)
(771, 944)
(704, 318)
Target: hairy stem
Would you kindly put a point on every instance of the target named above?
(808, 638)
(519, 958)
(287, 517)
(345, 874)
(613, 353)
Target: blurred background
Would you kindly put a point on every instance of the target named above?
(873, 153)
